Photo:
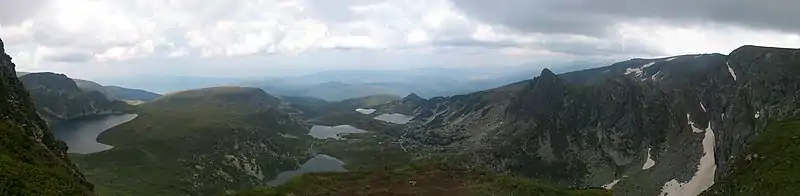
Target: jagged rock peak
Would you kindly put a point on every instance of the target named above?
(412, 97)
(547, 73)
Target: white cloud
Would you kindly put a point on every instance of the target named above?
(280, 32)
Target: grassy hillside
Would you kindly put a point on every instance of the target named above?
(199, 142)
(769, 166)
(420, 178)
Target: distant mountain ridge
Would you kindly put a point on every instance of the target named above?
(341, 85)
(58, 98)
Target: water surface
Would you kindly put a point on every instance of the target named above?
(394, 118)
(81, 134)
(325, 132)
(319, 163)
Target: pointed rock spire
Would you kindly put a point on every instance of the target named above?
(413, 97)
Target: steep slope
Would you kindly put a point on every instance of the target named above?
(58, 98)
(656, 126)
(199, 142)
(32, 161)
(769, 166)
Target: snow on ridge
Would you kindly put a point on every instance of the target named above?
(673, 58)
(730, 70)
(703, 178)
(638, 71)
(703, 107)
(650, 162)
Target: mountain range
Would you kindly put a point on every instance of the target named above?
(709, 124)
(669, 126)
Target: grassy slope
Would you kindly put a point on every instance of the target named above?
(772, 168)
(419, 178)
(29, 169)
(157, 153)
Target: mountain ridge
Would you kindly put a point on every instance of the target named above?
(612, 109)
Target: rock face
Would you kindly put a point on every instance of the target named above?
(58, 98)
(693, 114)
(32, 161)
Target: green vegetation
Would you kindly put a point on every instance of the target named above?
(366, 151)
(769, 166)
(423, 177)
(29, 169)
(199, 142)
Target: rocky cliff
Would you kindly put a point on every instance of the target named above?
(667, 126)
(32, 161)
(58, 98)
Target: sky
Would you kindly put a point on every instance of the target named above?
(255, 38)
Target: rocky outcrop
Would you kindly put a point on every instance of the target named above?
(32, 161)
(690, 115)
(58, 98)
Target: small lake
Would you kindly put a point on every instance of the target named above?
(326, 132)
(394, 118)
(319, 163)
(81, 134)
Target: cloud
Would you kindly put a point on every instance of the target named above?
(281, 36)
(595, 18)
(14, 11)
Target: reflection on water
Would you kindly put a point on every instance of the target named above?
(81, 134)
(394, 118)
(319, 163)
(325, 132)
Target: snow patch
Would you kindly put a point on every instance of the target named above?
(730, 70)
(704, 177)
(638, 71)
(610, 184)
(365, 111)
(758, 114)
(288, 136)
(703, 107)
(691, 123)
(650, 162)
(673, 58)
(655, 76)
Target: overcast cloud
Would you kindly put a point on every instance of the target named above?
(105, 38)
